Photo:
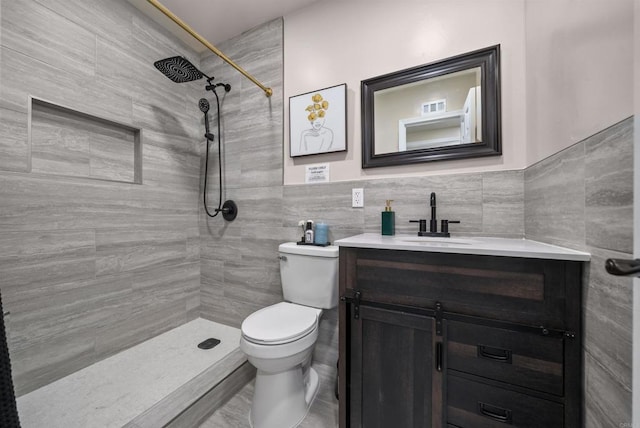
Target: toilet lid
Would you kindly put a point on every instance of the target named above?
(280, 323)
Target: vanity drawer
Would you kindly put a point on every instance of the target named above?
(520, 358)
(475, 405)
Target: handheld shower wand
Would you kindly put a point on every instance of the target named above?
(204, 108)
(229, 209)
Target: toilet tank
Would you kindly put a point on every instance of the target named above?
(309, 274)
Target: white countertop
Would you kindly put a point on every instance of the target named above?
(465, 245)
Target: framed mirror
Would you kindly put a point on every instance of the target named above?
(449, 109)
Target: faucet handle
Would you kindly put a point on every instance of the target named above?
(423, 224)
(444, 225)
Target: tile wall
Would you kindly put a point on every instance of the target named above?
(582, 198)
(239, 265)
(91, 267)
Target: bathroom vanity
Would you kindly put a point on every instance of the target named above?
(449, 332)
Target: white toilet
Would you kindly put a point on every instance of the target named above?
(279, 339)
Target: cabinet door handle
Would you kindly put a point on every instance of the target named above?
(495, 354)
(496, 413)
(439, 356)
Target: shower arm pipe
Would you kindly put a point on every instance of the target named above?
(268, 91)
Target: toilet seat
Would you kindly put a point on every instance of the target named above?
(279, 324)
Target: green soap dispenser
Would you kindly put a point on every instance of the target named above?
(388, 220)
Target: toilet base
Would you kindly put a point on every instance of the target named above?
(279, 401)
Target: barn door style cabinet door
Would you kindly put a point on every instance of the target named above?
(392, 376)
(457, 340)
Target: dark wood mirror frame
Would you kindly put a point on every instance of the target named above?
(488, 60)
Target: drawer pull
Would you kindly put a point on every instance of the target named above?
(496, 413)
(494, 354)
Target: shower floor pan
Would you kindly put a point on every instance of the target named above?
(165, 381)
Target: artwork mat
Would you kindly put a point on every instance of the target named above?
(335, 121)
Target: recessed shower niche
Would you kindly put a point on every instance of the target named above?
(68, 142)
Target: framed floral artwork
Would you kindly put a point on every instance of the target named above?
(318, 121)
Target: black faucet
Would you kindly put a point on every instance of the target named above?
(433, 223)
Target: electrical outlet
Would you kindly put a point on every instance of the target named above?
(357, 198)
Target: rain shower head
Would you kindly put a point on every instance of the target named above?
(204, 105)
(179, 69)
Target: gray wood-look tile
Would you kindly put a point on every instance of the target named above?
(193, 244)
(159, 103)
(258, 207)
(258, 163)
(43, 34)
(503, 203)
(322, 414)
(220, 240)
(261, 245)
(253, 132)
(569, 198)
(123, 250)
(239, 266)
(609, 188)
(211, 276)
(68, 143)
(173, 166)
(164, 119)
(458, 197)
(555, 199)
(140, 323)
(78, 92)
(608, 318)
(96, 16)
(151, 40)
(175, 408)
(31, 259)
(228, 310)
(54, 327)
(14, 147)
(50, 359)
(248, 282)
(48, 203)
(606, 403)
(329, 203)
(216, 397)
(326, 350)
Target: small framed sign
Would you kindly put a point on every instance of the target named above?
(316, 173)
(318, 122)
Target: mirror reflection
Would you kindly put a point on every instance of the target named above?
(438, 112)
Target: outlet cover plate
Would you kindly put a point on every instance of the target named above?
(357, 198)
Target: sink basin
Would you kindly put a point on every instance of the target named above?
(435, 240)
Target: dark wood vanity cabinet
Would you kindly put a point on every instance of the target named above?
(452, 340)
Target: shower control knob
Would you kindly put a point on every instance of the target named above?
(229, 210)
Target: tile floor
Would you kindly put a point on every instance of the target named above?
(323, 412)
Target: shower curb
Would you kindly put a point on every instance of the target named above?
(196, 400)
